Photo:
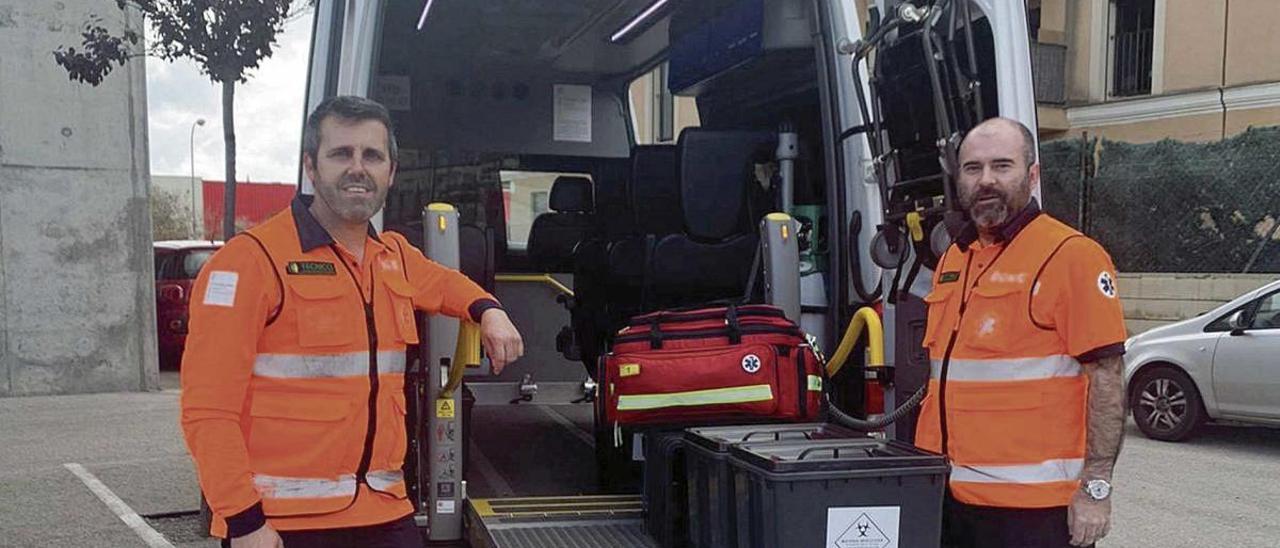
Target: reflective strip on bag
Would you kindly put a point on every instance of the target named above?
(714, 396)
(815, 383)
(303, 366)
(1045, 472)
(1018, 369)
(281, 487)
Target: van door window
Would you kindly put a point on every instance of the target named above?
(525, 195)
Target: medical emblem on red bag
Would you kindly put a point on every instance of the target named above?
(751, 363)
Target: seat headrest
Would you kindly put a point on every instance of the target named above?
(717, 171)
(571, 194)
(655, 189)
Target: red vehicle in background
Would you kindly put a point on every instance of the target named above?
(177, 264)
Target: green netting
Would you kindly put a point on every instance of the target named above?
(1171, 206)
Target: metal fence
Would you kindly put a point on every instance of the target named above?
(1171, 206)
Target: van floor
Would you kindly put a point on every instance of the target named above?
(531, 450)
(546, 452)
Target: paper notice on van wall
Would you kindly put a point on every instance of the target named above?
(863, 527)
(393, 91)
(572, 113)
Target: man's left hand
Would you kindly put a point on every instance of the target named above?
(500, 338)
(1088, 519)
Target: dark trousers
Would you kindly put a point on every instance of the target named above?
(968, 526)
(402, 533)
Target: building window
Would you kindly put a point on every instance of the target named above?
(1132, 46)
(664, 111)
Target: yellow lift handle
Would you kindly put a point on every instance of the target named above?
(864, 318)
(466, 354)
(535, 278)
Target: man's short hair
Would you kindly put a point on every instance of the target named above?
(1028, 138)
(351, 108)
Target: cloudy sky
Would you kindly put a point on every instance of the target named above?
(268, 114)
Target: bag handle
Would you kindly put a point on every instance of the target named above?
(655, 332)
(731, 320)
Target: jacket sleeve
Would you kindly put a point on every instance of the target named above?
(442, 290)
(229, 305)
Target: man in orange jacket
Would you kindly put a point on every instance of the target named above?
(293, 401)
(1025, 336)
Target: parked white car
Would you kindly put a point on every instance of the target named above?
(1222, 365)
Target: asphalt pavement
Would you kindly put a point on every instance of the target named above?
(1222, 488)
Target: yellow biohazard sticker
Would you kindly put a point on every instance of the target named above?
(628, 370)
(444, 409)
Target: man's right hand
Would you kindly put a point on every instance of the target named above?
(264, 537)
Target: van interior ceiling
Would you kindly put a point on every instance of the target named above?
(484, 92)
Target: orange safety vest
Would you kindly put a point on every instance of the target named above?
(1015, 392)
(293, 379)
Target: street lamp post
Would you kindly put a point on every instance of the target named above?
(195, 216)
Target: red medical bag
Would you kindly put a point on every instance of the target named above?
(726, 363)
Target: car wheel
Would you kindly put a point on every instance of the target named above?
(1166, 404)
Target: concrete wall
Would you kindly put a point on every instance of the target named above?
(77, 309)
(1153, 300)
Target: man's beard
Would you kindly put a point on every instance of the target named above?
(353, 209)
(990, 214)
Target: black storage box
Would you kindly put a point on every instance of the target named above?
(709, 478)
(854, 493)
(664, 487)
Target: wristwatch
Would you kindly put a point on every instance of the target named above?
(1097, 489)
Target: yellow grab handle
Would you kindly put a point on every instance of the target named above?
(535, 278)
(464, 355)
(914, 222)
(867, 318)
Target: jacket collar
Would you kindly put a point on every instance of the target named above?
(310, 234)
(1007, 233)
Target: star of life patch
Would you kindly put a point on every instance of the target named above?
(221, 290)
(1107, 284)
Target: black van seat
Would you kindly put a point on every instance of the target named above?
(476, 255)
(721, 204)
(555, 234)
(654, 199)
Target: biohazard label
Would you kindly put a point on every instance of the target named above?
(862, 527)
(444, 409)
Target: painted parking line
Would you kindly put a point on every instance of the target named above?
(126, 514)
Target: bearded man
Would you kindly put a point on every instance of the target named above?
(1025, 337)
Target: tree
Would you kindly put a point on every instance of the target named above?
(226, 39)
(169, 220)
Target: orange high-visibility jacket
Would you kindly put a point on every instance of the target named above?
(1009, 326)
(293, 401)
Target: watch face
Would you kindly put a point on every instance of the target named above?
(1098, 489)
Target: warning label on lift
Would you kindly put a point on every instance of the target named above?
(862, 527)
(444, 409)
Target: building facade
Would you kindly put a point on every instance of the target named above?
(1144, 70)
(77, 299)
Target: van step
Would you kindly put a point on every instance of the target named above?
(559, 522)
